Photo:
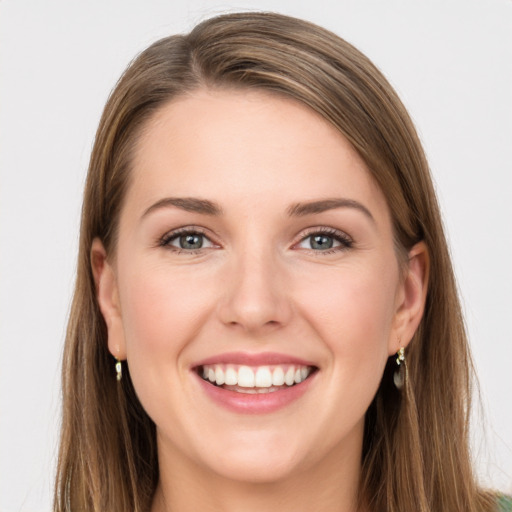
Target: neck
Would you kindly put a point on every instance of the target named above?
(330, 485)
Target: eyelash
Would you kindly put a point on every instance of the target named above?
(339, 236)
(166, 240)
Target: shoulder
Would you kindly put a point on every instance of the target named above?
(504, 504)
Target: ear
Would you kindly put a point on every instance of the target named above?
(411, 297)
(108, 299)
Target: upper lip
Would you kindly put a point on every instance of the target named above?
(253, 359)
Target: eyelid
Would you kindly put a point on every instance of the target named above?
(164, 240)
(345, 240)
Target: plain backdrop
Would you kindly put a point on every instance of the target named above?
(451, 62)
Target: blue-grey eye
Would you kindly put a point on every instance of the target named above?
(190, 241)
(321, 242)
(186, 241)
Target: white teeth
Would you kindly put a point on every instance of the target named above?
(289, 377)
(245, 377)
(278, 377)
(262, 378)
(219, 376)
(231, 376)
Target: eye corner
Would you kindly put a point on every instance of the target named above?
(189, 240)
(324, 240)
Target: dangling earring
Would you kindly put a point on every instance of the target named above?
(400, 372)
(119, 370)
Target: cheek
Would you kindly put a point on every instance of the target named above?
(161, 313)
(159, 308)
(354, 315)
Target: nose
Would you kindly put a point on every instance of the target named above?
(256, 298)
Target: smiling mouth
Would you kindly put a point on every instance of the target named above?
(255, 379)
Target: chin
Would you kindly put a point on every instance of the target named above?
(257, 470)
(255, 459)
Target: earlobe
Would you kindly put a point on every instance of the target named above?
(108, 298)
(412, 297)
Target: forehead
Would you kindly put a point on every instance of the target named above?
(248, 145)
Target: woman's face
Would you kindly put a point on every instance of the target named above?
(254, 251)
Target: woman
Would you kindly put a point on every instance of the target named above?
(265, 313)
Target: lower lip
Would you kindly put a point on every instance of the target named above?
(257, 403)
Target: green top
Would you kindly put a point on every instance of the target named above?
(504, 504)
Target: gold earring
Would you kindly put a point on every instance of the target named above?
(119, 370)
(400, 373)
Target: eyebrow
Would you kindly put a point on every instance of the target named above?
(189, 204)
(312, 207)
(206, 207)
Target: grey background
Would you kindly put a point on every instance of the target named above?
(451, 62)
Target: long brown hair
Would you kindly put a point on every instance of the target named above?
(415, 451)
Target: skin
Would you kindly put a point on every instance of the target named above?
(257, 285)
